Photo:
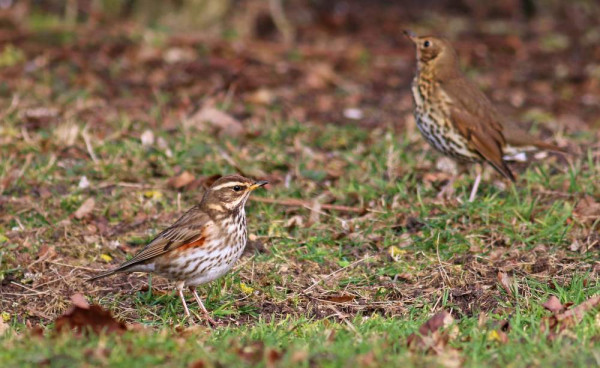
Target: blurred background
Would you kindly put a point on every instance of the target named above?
(115, 114)
(325, 61)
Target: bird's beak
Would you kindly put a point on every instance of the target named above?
(258, 184)
(411, 35)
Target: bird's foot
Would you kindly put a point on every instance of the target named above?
(447, 191)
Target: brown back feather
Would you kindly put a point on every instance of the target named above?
(474, 116)
(191, 228)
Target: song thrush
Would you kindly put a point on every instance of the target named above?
(203, 244)
(456, 118)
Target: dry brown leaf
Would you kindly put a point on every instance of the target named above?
(261, 96)
(560, 322)
(85, 209)
(505, 281)
(46, 252)
(198, 364)
(181, 180)
(430, 335)
(588, 209)
(339, 298)
(213, 119)
(252, 353)
(439, 320)
(79, 300)
(83, 318)
(577, 313)
(553, 304)
(272, 357)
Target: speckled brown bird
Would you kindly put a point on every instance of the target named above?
(203, 245)
(456, 118)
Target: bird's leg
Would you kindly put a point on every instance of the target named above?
(206, 314)
(447, 190)
(179, 287)
(476, 184)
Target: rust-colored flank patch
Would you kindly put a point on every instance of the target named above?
(195, 244)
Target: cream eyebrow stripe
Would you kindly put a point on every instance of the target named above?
(227, 185)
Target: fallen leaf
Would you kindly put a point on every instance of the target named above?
(272, 357)
(211, 118)
(261, 96)
(439, 320)
(577, 313)
(79, 300)
(293, 222)
(339, 298)
(252, 353)
(396, 252)
(587, 209)
(153, 194)
(430, 335)
(559, 322)
(105, 257)
(198, 364)
(46, 252)
(83, 318)
(553, 304)
(366, 360)
(497, 335)
(181, 180)
(246, 289)
(85, 209)
(505, 281)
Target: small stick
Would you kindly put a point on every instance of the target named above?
(88, 145)
(335, 272)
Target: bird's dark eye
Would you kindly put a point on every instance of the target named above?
(426, 44)
(237, 188)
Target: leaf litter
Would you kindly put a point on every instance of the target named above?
(128, 81)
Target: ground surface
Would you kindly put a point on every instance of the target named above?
(110, 131)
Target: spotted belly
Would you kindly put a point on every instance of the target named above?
(445, 138)
(196, 266)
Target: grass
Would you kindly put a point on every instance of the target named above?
(265, 299)
(316, 287)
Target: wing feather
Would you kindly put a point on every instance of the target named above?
(191, 228)
(474, 116)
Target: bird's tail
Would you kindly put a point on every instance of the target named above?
(103, 274)
(549, 147)
(503, 169)
(520, 140)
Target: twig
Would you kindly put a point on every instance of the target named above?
(293, 202)
(126, 185)
(29, 289)
(13, 106)
(335, 272)
(443, 272)
(88, 145)
(72, 266)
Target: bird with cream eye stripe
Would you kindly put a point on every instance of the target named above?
(203, 244)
